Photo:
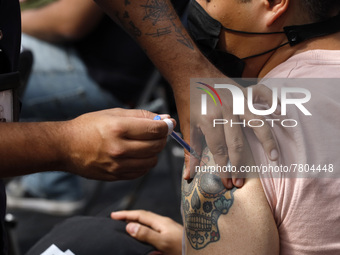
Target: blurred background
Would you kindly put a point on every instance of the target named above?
(76, 60)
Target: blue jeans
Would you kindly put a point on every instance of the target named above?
(59, 88)
(53, 185)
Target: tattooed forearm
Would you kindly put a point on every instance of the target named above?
(158, 10)
(134, 30)
(154, 19)
(204, 200)
(160, 32)
(125, 21)
(182, 38)
(126, 15)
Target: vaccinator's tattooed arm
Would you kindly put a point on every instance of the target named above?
(156, 27)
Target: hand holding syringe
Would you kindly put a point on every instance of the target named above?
(183, 143)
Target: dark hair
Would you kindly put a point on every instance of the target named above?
(320, 10)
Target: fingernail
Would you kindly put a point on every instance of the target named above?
(239, 183)
(274, 154)
(229, 184)
(132, 228)
(164, 116)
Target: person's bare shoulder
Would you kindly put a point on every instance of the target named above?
(221, 221)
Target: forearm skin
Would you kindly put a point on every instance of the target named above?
(157, 28)
(32, 147)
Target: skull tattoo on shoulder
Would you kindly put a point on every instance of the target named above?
(203, 201)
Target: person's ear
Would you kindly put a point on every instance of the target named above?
(275, 9)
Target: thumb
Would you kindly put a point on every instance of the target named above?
(143, 233)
